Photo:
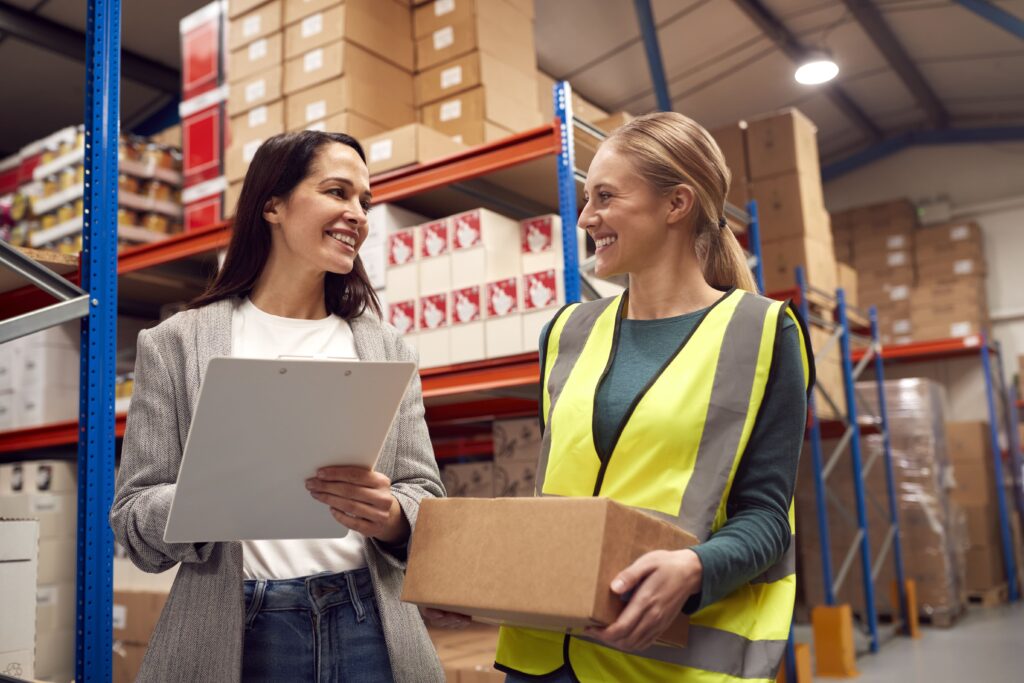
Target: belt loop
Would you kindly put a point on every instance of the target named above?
(353, 594)
(257, 601)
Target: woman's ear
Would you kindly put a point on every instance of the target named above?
(272, 211)
(681, 203)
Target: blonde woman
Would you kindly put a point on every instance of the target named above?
(684, 397)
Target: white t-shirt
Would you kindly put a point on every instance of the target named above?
(256, 334)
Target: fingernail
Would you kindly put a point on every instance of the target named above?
(618, 585)
(309, 484)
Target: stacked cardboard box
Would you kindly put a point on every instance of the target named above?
(785, 179)
(39, 378)
(828, 374)
(476, 285)
(19, 561)
(138, 601)
(203, 110)
(516, 452)
(950, 298)
(931, 533)
(970, 450)
(467, 654)
(46, 490)
(881, 238)
(476, 68)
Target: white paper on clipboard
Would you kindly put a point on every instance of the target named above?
(262, 427)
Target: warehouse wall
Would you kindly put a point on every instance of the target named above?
(983, 182)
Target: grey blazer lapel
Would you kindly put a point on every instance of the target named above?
(367, 336)
(213, 333)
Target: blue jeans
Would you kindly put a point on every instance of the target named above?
(322, 628)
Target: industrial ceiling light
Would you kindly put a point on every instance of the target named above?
(816, 68)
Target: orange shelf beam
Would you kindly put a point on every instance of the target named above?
(48, 436)
(473, 163)
(504, 373)
(927, 350)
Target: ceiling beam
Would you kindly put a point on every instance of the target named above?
(949, 136)
(49, 35)
(790, 45)
(997, 15)
(878, 30)
(649, 32)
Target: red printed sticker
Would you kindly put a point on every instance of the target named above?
(433, 312)
(466, 305)
(466, 230)
(538, 235)
(502, 298)
(403, 316)
(435, 239)
(540, 290)
(400, 248)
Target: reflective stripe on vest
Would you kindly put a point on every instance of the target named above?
(689, 428)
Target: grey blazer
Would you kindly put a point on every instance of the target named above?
(200, 633)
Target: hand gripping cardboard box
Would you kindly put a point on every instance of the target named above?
(542, 563)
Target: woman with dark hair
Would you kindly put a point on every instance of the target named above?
(297, 610)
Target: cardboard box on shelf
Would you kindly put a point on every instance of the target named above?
(967, 290)
(383, 28)
(294, 10)
(781, 257)
(57, 562)
(37, 405)
(609, 124)
(386, 220)
(503, 325)
(783, 142)
(435, 257)
(791, 205)
(127, 662)
(405, 146)
(942, 329)
(403, 248)
(982, 522)
(475, 69)
(543, 295)
(260, 22)
(846, 278)
(19, 557)
(55, 606)
(828, 375)
(239, 7)
(257, 56)
(581, 107)
(515, 478)
(542, 243)
(485, 248)
(985, 568)
(944, 320)
(465, 114)
(136, 613)
(516, 440)
(262, 88)
(346, 93)
(344, 58)
(248, 132)
(434, 334)
(538, 572)
(55, 655)
(496, 27)
(203, 48)
(402, 315)
(946, 269)
(948, 243)
(347, 122)
(57, 513)
(732, 141)
(234, 191)
(469, 480)
(431, 16)
(203, 134)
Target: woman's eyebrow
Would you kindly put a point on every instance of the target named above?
(345, 181)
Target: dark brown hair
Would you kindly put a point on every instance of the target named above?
(280, 164)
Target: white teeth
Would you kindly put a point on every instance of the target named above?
(347, 239)
(606, 241)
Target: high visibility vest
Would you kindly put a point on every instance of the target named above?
(675, 457)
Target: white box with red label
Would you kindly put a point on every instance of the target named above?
(484, 248)
(203, 136)
(435, 258)
(543, 295)
(402, 275)
(403, 316)
(503, 323)
(434, 336)
(467, 327)
(375, 252)
(541, 243)
(205, 203)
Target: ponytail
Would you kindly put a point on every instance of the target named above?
(723, 260)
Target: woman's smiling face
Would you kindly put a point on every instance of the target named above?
(322, 223)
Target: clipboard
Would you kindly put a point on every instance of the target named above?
(261, 427)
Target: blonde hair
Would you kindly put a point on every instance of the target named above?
(668, 150)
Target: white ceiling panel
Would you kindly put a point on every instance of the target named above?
(948, 30)
(879, 92)
(977, 78)
(572, 33)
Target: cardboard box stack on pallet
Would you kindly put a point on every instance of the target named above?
(46, 490)
(931, 526)
(476, 285)
(511, 473)
(878, 241)
(970, 450)
(19, 563)
(949, 299)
